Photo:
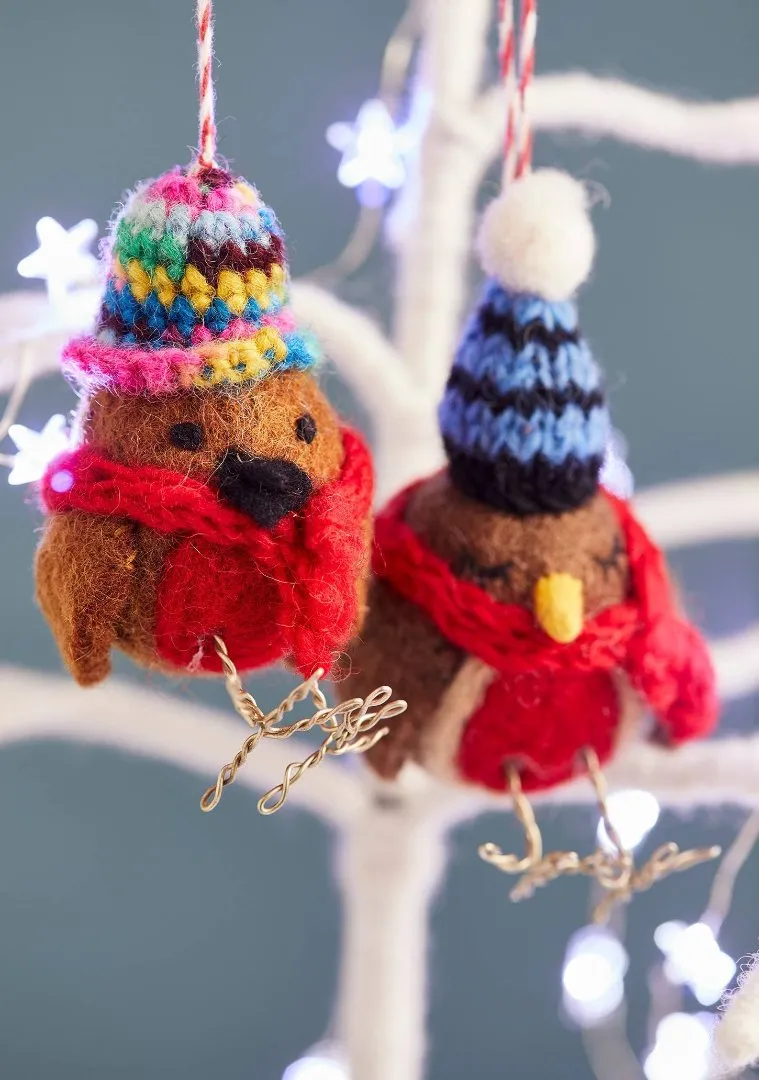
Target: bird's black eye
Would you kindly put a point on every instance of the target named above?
(466, 566)
(186, 436)
(611, 561)
(305, 428)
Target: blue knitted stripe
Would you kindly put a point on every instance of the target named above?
(493, 357)
(527, 308)
(151, 319)
(475, 429)
(302, 352)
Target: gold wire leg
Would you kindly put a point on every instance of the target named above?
(245, 704)
(536, 868)
(615, 871)
(350, 727)
(512, 864)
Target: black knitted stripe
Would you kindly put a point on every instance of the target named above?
(538, 487)
(521, 334)
(525, 402)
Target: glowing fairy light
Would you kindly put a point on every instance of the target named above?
(323, 1062)
(695, 959)
(63, 259)
(593, 977)
(682, 1048)
(633, 814)
(36, 449)
(373, 152)
(616, 475)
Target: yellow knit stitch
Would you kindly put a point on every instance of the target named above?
(240, 360)
(165, 288)
(231, 289)
(278, 280)
(268, 340)
(257, 287)
(197, 290)
(140, 281)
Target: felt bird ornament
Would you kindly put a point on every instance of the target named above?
(523, 611)
(212, 491)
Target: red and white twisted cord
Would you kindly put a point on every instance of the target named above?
(207, 114)
(527, 34)
(517, 56)
(507, 49)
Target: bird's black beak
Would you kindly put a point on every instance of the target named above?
(266, 489)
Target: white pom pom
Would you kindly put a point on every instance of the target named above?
(537, 237)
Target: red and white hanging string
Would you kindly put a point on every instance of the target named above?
(207, 114)
(506, 48)
(526, 65)
(517, 56)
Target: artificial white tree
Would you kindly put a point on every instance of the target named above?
(391, 838)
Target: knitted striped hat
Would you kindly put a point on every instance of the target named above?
(196, 291)
(524, 417)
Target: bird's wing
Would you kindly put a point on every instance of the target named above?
(84, 571)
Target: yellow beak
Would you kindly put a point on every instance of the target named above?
(559, 606)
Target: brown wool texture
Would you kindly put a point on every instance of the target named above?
(85, 576)
(503, 554)
(506, 555)
(400, 645)
(97, 578)
(260, 419)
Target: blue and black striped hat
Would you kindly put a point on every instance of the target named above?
(524, 417)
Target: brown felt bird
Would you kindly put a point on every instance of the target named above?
(213, 490)
(517, 605)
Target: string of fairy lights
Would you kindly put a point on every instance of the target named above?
(376, 151)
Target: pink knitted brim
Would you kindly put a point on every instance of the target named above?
(132, 369)
(128, 368)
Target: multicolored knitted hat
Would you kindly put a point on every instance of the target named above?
(524, 418)
(196, 291)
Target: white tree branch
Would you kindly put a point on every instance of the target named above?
(25, 318)
(736, 659)
(391, 861)
(717, 772)
(148, 724)
(684, 513)
(433, 254)
(358, 348)
(726, 133)
(402, 412)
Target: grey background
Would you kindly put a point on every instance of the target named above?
(130, 943)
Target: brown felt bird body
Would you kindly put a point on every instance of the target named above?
(517, 605)
(212, 490)
(263, 451)
(561, 568)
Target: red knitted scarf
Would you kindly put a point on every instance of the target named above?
(664, 656)
(284, 593)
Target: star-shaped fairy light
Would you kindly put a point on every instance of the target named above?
(373, 149)
(36, 449)
(63, 259)
(695, 959)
